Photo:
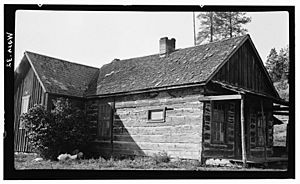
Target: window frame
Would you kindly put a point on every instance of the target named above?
(221, 125)
(23, 109)
(163, 120)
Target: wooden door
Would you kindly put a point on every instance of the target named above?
(105, 121)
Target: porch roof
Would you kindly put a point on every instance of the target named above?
(246, 91)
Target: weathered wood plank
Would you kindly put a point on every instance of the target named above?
(246, 67)
(179, 120)
(171, 138)
(170, 129)
(155, 102)
(220, 97)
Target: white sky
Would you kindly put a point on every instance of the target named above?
(96, 38)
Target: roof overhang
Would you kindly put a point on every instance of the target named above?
(240, 90)
(148, 90)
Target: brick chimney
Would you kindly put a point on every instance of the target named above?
(166, 46)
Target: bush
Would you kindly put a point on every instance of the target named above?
(60, 131)
(161, 157)
(38, 125)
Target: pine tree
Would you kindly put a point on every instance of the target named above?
(278, 64)
(272, 65)
(278, 67)
(219, 25)
(209, 29)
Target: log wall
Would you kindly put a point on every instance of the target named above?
(133, 134)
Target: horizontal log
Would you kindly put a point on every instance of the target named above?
(281, 113)
(160, 130)
(143, 122)
(171, 138)
(220, 97)
(278, 108)
(156, 102)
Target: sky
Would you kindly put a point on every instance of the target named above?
(96, 38)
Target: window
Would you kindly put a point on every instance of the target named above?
(157, 115)
(218, 123)
(24, 109)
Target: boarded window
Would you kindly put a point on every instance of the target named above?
(157, 115)
(24, 109)
(218, 123)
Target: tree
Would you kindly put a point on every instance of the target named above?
(273, 66)
(208, 29)
(218, 25)
(232, 22)
(278, 67)
(278, 64)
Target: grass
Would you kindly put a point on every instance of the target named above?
(26, 161)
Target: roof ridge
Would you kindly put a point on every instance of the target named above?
(225, 39)
(151, 55)
(61, 59)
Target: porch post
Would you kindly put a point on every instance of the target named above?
(244, 156)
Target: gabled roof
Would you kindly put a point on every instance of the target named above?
(61, 77)
(183, 66)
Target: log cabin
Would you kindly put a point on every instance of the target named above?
(208, 101)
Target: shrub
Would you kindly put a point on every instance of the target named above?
(60, 131)
(38, 123)
(72, 131)
(161, 157)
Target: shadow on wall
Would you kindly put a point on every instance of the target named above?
(113, 139)
(123, 142)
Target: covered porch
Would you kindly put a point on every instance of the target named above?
(253, 140)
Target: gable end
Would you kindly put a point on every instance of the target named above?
(245, 69)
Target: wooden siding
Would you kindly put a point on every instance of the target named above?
(244, 70)
(180, 135)
(29, 86)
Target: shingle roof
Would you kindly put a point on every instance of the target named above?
(62, 77)
(183, 66)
